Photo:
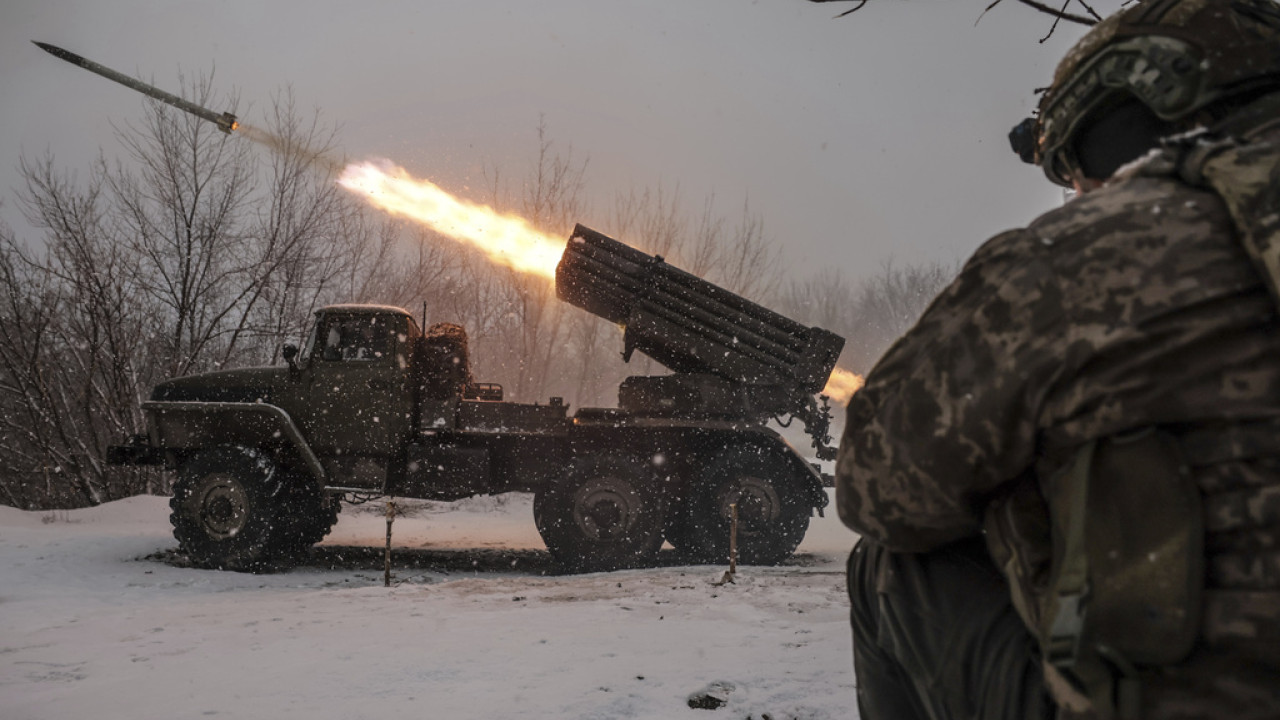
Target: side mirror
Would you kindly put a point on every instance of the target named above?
(289, 351)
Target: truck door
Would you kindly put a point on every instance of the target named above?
(358, 395)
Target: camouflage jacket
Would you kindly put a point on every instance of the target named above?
(1132, 306)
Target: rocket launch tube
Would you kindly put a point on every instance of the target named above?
(688, 324)
(226, 122)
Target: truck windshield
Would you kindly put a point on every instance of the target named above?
(355, 338)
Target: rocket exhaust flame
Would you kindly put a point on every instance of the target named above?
(507, 239)
(842, 385)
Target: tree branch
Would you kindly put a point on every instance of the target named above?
(1059, 14)
(855, 8)
(1062, 14)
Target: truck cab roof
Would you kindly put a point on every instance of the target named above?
(362, 308)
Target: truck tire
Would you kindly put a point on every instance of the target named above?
(605, 515)
(772, 513)
(305, 517)
(225, 502)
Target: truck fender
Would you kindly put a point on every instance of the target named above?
(183, 425)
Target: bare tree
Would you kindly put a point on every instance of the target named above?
(826, 300)
(750, 263)
(193, 251)
(309, 236)
(530, 330)
(870, 314)
(179, 205)
(73, 346)
(649, 219)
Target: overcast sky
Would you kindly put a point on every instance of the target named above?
(879, 135)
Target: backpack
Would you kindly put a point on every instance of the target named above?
(1105, 558)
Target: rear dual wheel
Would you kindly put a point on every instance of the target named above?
(605, 514)
(773, 514)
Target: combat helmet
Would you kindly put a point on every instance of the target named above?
(1176, 58)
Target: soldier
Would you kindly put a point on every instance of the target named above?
(1067, 475)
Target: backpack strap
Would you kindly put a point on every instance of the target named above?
(1062, 624)
(1239, 160)
(1106, 679)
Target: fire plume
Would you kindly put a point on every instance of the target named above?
(842, 385)
(507, 239)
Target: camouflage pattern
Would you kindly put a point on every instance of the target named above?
(1176, 56)
(1132, 306)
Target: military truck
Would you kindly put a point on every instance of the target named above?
(373, 404)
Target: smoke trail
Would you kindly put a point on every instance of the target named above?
(329, 162)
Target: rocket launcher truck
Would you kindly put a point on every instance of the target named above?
(373, 404)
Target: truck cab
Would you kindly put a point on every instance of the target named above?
(340, 411)
(353, 390)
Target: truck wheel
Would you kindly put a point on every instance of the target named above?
(772, 513)
(224, 505)
(305, 517)
(606, 515)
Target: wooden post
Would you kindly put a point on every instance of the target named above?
(386, 566)
(732, 546)
(733, 538)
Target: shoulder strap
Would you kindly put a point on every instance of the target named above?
(1108, 681)
(1243, 168)
(1063, 620)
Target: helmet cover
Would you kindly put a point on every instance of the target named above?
(1174, 56)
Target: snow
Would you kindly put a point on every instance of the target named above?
(93, 623)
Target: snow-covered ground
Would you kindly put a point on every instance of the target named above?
(97, 622)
